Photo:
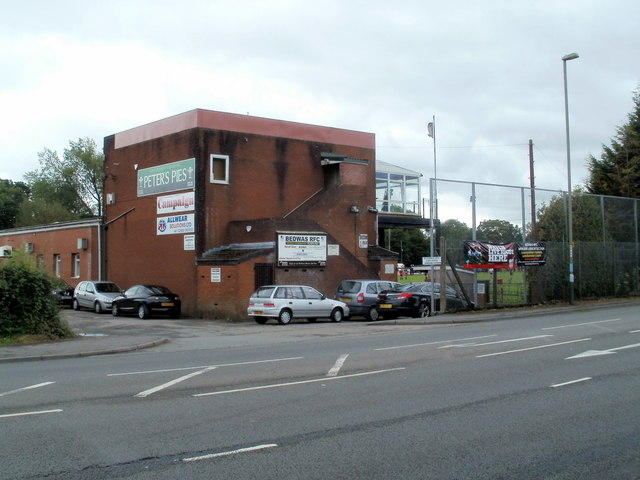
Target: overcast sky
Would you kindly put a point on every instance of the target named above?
(490, 72)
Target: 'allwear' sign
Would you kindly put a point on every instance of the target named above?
(176, 224)
(169, 177)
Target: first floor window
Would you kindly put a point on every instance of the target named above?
(219, 168)
(57, 265)
(75, 264)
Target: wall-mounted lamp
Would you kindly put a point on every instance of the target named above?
(248, 227)
(354, 209)
(135, 166)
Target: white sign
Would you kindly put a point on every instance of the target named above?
(176, 224)
(431, 260)
(189, 242)
(363, 240)
(333, 250)
(302, 249)
(180, 202)
(216, 275)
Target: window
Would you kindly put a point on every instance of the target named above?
(398, 193)
(219, 168)
(57, 265)
(75, 265)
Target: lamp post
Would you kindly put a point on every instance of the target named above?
(565, 59)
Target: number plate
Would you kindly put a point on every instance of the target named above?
(258, 312)
(167, 304)
(386, 305)
(345, 300)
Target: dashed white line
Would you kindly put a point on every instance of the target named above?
(203, 366)
(146, 393)
(338, 365)
(582, 324)
(231, 452)
(496, 342)
(17, 390)
(532, 348)
(23, 414)
(301, 382)
(558, 385)
(433, 343)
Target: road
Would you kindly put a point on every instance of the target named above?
(553, 397)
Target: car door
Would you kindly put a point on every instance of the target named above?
(317, 305)
(87, 295)
(291, 297)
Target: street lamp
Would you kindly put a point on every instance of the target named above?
(565, 59)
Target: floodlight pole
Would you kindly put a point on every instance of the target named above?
(565, 59)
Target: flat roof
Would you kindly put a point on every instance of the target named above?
(232, 122)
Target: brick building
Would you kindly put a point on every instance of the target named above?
(214, 204)
(68, 250)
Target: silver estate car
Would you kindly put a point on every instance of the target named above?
(286, 302)
(96, 296)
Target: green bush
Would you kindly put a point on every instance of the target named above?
(27, 305)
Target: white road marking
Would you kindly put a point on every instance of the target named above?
(146, 393)
(496, 342)
(557, 385)
(301, 382)
(634, 331)
(26, 388)
(433, 343)
(231, 452)
(338, 365)
(22, 414)
(532, 348)
(582, 324)
(596, 353)
(203, 366)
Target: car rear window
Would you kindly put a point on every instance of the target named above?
(349, 286)
(107, 287)
(264, 292)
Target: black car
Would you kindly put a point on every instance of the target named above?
(63, 293)
(147, 300)
(414, 300)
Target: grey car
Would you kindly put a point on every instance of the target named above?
(361, 295)
(286, 302)
(95, 295)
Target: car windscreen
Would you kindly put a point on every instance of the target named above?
(107, 287)
(349, 286)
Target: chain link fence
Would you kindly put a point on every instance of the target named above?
(605, 232)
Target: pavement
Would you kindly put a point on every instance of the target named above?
(103, 334)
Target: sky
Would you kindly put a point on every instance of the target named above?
(490, 74)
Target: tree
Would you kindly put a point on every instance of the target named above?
(498, 231)
(454, 230)
(71, 187)
(617, 172)
(587, 219)
(12, 195)
(410, 243)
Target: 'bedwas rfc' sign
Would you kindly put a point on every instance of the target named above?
(302, 249)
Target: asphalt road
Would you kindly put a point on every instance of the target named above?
(547, 397)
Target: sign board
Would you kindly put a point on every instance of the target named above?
(302, 249)
(169, 177)
(189, 242)
(216, 275)
(176, 203)
(532, 254)
(176, 224)
(363, 240)
(431, 260)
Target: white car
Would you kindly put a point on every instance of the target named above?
(286, 302)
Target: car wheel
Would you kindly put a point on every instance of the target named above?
(285, 317)
(142, 312)
(114, 310)
(260, 320)
(75, 304)
(423, 310)
(373, 315)
(336, 315)
(97, 307)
